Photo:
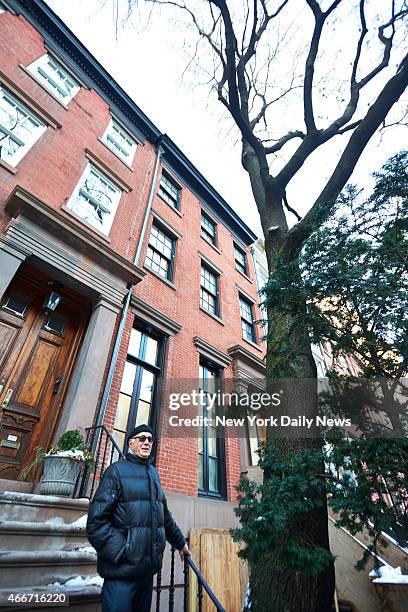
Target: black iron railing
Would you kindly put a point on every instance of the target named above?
(106, 451)
(202, 587)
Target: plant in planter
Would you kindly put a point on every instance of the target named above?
(62, 464)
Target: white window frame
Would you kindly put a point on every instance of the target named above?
(40, 69)
(116, 146)
(5, 131)
(2, 8)
(80, 195)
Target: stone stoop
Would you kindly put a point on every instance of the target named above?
(41, 544)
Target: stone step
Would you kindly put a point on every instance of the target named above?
(82, 598)
(38, 568)
(17, 506)
(50, 535)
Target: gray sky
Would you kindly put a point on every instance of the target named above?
(148, 63)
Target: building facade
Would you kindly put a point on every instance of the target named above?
(121, 267)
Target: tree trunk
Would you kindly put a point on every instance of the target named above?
(276, 588)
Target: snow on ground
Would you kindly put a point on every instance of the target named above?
(81, 522)
(78, 581)
(388, 574)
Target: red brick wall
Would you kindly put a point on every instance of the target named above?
(51, 170)
(54, 164)
(177, 458)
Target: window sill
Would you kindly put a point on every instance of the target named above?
(253, 344)
(170, 206)
(53, 96)
(211, 245)
(115, 154)
(164, 280)
(244, 275)
(7, 166)
(209, 495)
(213, 316)
(88, 227)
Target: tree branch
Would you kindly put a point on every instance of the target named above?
(390, 94)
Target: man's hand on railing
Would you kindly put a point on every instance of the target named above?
(184, 552)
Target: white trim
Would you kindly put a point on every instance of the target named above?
(41, 69)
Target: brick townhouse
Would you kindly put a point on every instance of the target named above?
(121, 268)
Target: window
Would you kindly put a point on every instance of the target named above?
(95, 199)
(209, 290)
(160, 252)
(240, 260)
(247, 320)
(17, 303)
(208, 229)
(120, 142)
(55, 78)
(2, 8)
(169, 191)
(253, 443)
(19, 128)
(136, 404)
(211, 467)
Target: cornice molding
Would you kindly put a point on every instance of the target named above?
(239, 353)
(158, 319)
(22, 202)
(211, 352)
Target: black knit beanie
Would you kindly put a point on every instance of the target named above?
(139, 429)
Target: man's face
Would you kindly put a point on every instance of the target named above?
(141, 444)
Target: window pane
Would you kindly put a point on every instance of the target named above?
(212, 474)
(169, 191)
(19, 128)
(212, 444)
(122, 412)
(56, 324)
(128, 379)
(151, 350)
(200, 472)
(146, 386)
(120, 142)
(17, 303)
(95, 200)
(55, 78)
(143, 413)
(134, 343)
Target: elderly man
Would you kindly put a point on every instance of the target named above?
(128, 524)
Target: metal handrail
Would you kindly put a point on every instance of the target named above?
(94, 438)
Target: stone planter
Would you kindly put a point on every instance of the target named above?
(59, 476)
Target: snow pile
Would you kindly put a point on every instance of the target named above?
(75, 455)
(390, 575)
(81, 522)
(88, 550)
(78, 581)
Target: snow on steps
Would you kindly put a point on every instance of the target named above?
(48, 535)
(34, 508)
(83, 594)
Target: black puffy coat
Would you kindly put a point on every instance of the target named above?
(129, 522)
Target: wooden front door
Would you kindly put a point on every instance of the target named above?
(37, 354)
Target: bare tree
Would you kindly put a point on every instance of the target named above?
(350, 64)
